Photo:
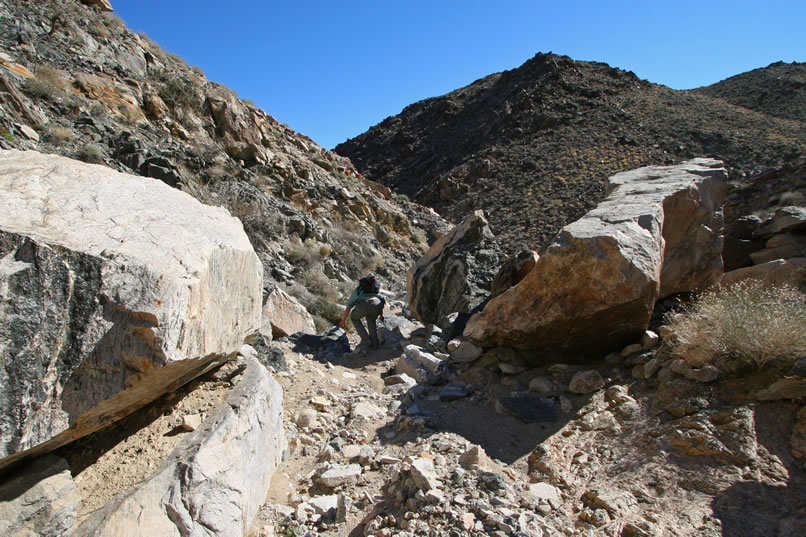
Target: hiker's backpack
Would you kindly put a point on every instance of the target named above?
(369, 284)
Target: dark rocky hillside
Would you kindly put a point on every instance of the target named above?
(777, 90)
(534, 145)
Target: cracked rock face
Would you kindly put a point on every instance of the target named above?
(105, 279)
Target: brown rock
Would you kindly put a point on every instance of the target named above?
(594, 288)
(286, 315)
(778, 272)
(103, 4)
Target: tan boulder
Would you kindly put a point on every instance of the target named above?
(285, 315)
(777, 272)
(104, 5)
(594, 288)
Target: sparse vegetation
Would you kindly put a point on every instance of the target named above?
(179, 94)
(100, 30)
(47, 85)
(58, 135)
(114, 23)
(6, 135)
(749, 321)
(92, 153)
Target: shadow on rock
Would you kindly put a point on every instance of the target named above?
(752, 508)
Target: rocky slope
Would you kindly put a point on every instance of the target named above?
(777, 90)
(534, 145)
(75, 81)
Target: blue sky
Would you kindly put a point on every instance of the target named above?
(332, 69)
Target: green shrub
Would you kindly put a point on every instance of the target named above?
(92, 153)
(750, 322)
(179, 94)
(6, 135)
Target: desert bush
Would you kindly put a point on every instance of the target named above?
(6, 135)
(325, 312)
(750, 321)
(42, 88)
(92, 153)
(152, 46)
(100, 30)
(179, 94)
(114, 23)
(303, 254)
(58, 135)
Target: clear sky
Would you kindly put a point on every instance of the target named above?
(332, 69)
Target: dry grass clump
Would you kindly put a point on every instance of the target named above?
(59, 135)
(47, 85)
(750, 321)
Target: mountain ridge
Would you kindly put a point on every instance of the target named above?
(541, 139)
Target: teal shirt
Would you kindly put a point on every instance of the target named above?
(359, 295)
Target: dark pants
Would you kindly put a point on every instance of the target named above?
(369, 309)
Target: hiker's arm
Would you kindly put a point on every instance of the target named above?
(343, 323)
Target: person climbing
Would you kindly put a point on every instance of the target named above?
(367, 303)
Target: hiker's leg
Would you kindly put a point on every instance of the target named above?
(375, 311)
(360, 311)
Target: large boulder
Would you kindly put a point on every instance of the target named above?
(455, 274)
(778, 272)
(106, 279)
(216, 480)
(285, 315)
(594, 288)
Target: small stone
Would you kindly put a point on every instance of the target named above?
(511, 369)
(325, 505)
(543, 492)
(191, 422)
(586, 382)
(474, 457)
(651, 367)
(468, 521)
(424, 475)
(465, 352)
(708, 373)
(366, 410)
(541, 384)
(337, 475)
(453, 392)
(649, 340)
(629, 350)
(305, 418)
(321, 403)
(351, 451)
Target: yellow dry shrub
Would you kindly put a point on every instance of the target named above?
(749, 321)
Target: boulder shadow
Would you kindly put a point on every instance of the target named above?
(752, 508)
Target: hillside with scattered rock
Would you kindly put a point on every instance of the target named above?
(533, 146)
(596, 347)
(777, 90)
